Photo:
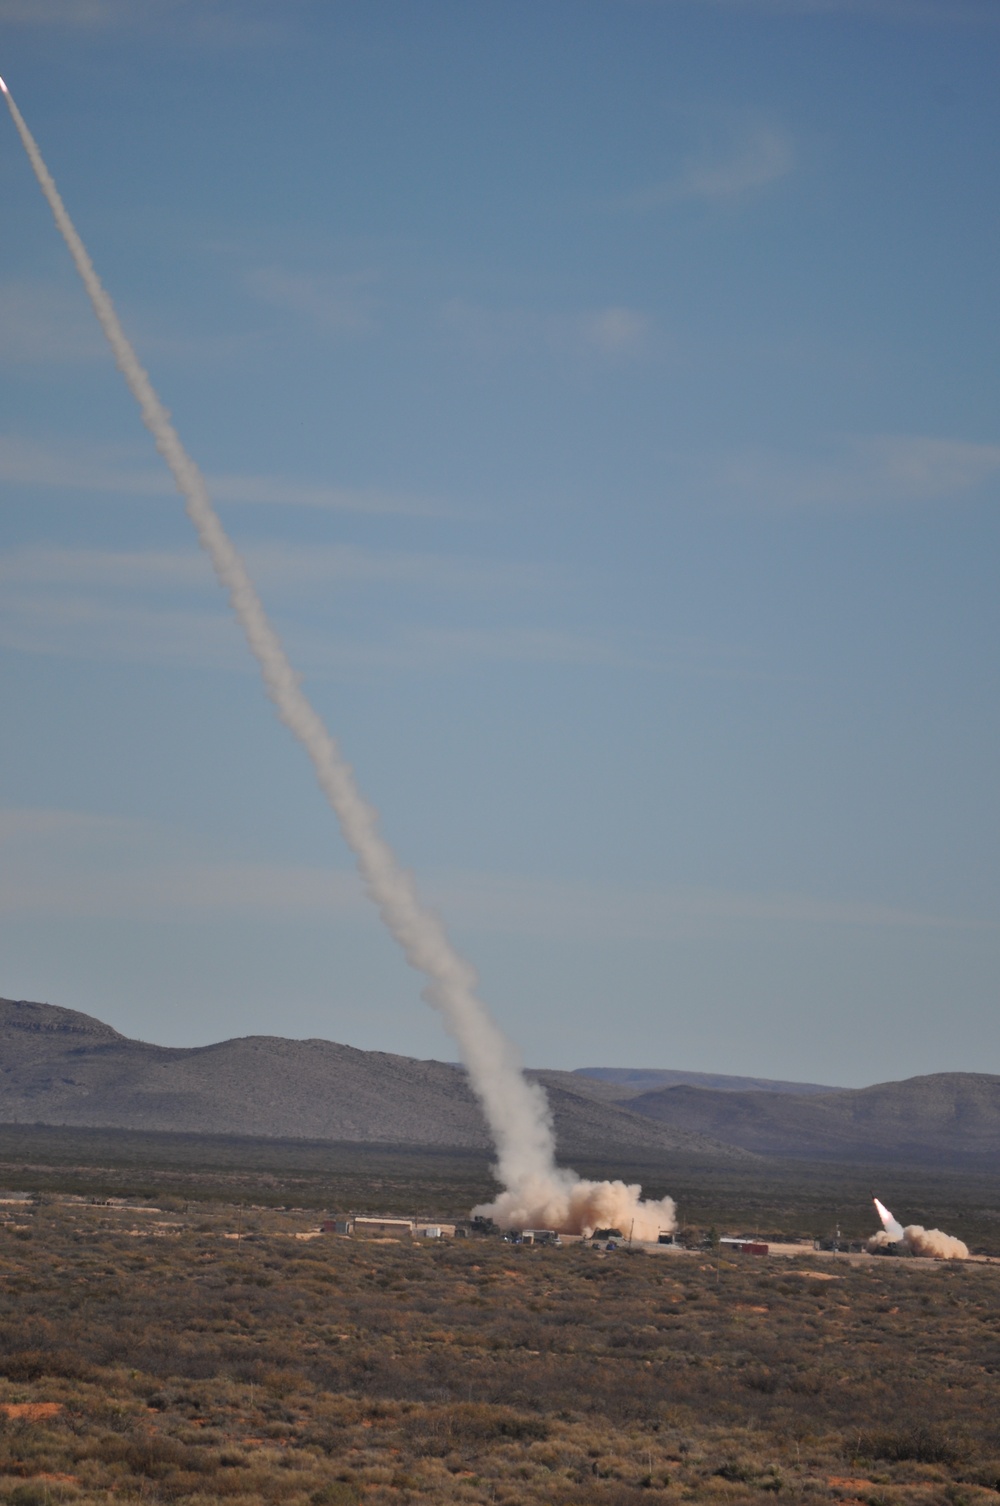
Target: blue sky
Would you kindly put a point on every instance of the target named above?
(605, 398)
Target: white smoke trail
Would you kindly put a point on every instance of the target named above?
(516, 1110)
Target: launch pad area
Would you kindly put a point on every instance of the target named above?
(174, 1319)
(780, 1204)
(207, 1350)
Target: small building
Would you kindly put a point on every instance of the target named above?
(384, 1224)
(538, 1236)
(375, 1224)
(745, 1246)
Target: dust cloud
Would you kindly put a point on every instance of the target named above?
(934, 1242)
(563, 1201)
(931, 1243)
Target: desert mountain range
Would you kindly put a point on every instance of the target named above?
(58, 1066)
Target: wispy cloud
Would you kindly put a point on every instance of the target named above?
(26, 462)
(243, 23)
(77, 626)
(33, 824)
(877, 471)
(69, 13)
(339, 305)
(278, 491)
(73, 625)
(455, 646)
(276, 566)
(64, 863)
(178, 891)
(213, 23)
(953, 11)
(163, 607)
(47, 324)
(615, 332)
(564, 909)
(69, 864)
(918, 465)
(44, 324)
(136, 569)
(759, 156)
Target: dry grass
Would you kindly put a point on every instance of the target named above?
(168, 1366)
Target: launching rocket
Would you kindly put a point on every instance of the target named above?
(889, 1224)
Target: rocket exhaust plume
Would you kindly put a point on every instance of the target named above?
(915, 1237)
(516, 1110)
(893, 1229)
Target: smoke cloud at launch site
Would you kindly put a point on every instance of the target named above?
(917, 1239)
(537, 1192)
(921, 1241)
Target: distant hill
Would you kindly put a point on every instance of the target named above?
(61, 1067)
(627, 1082)
(949, 1118)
